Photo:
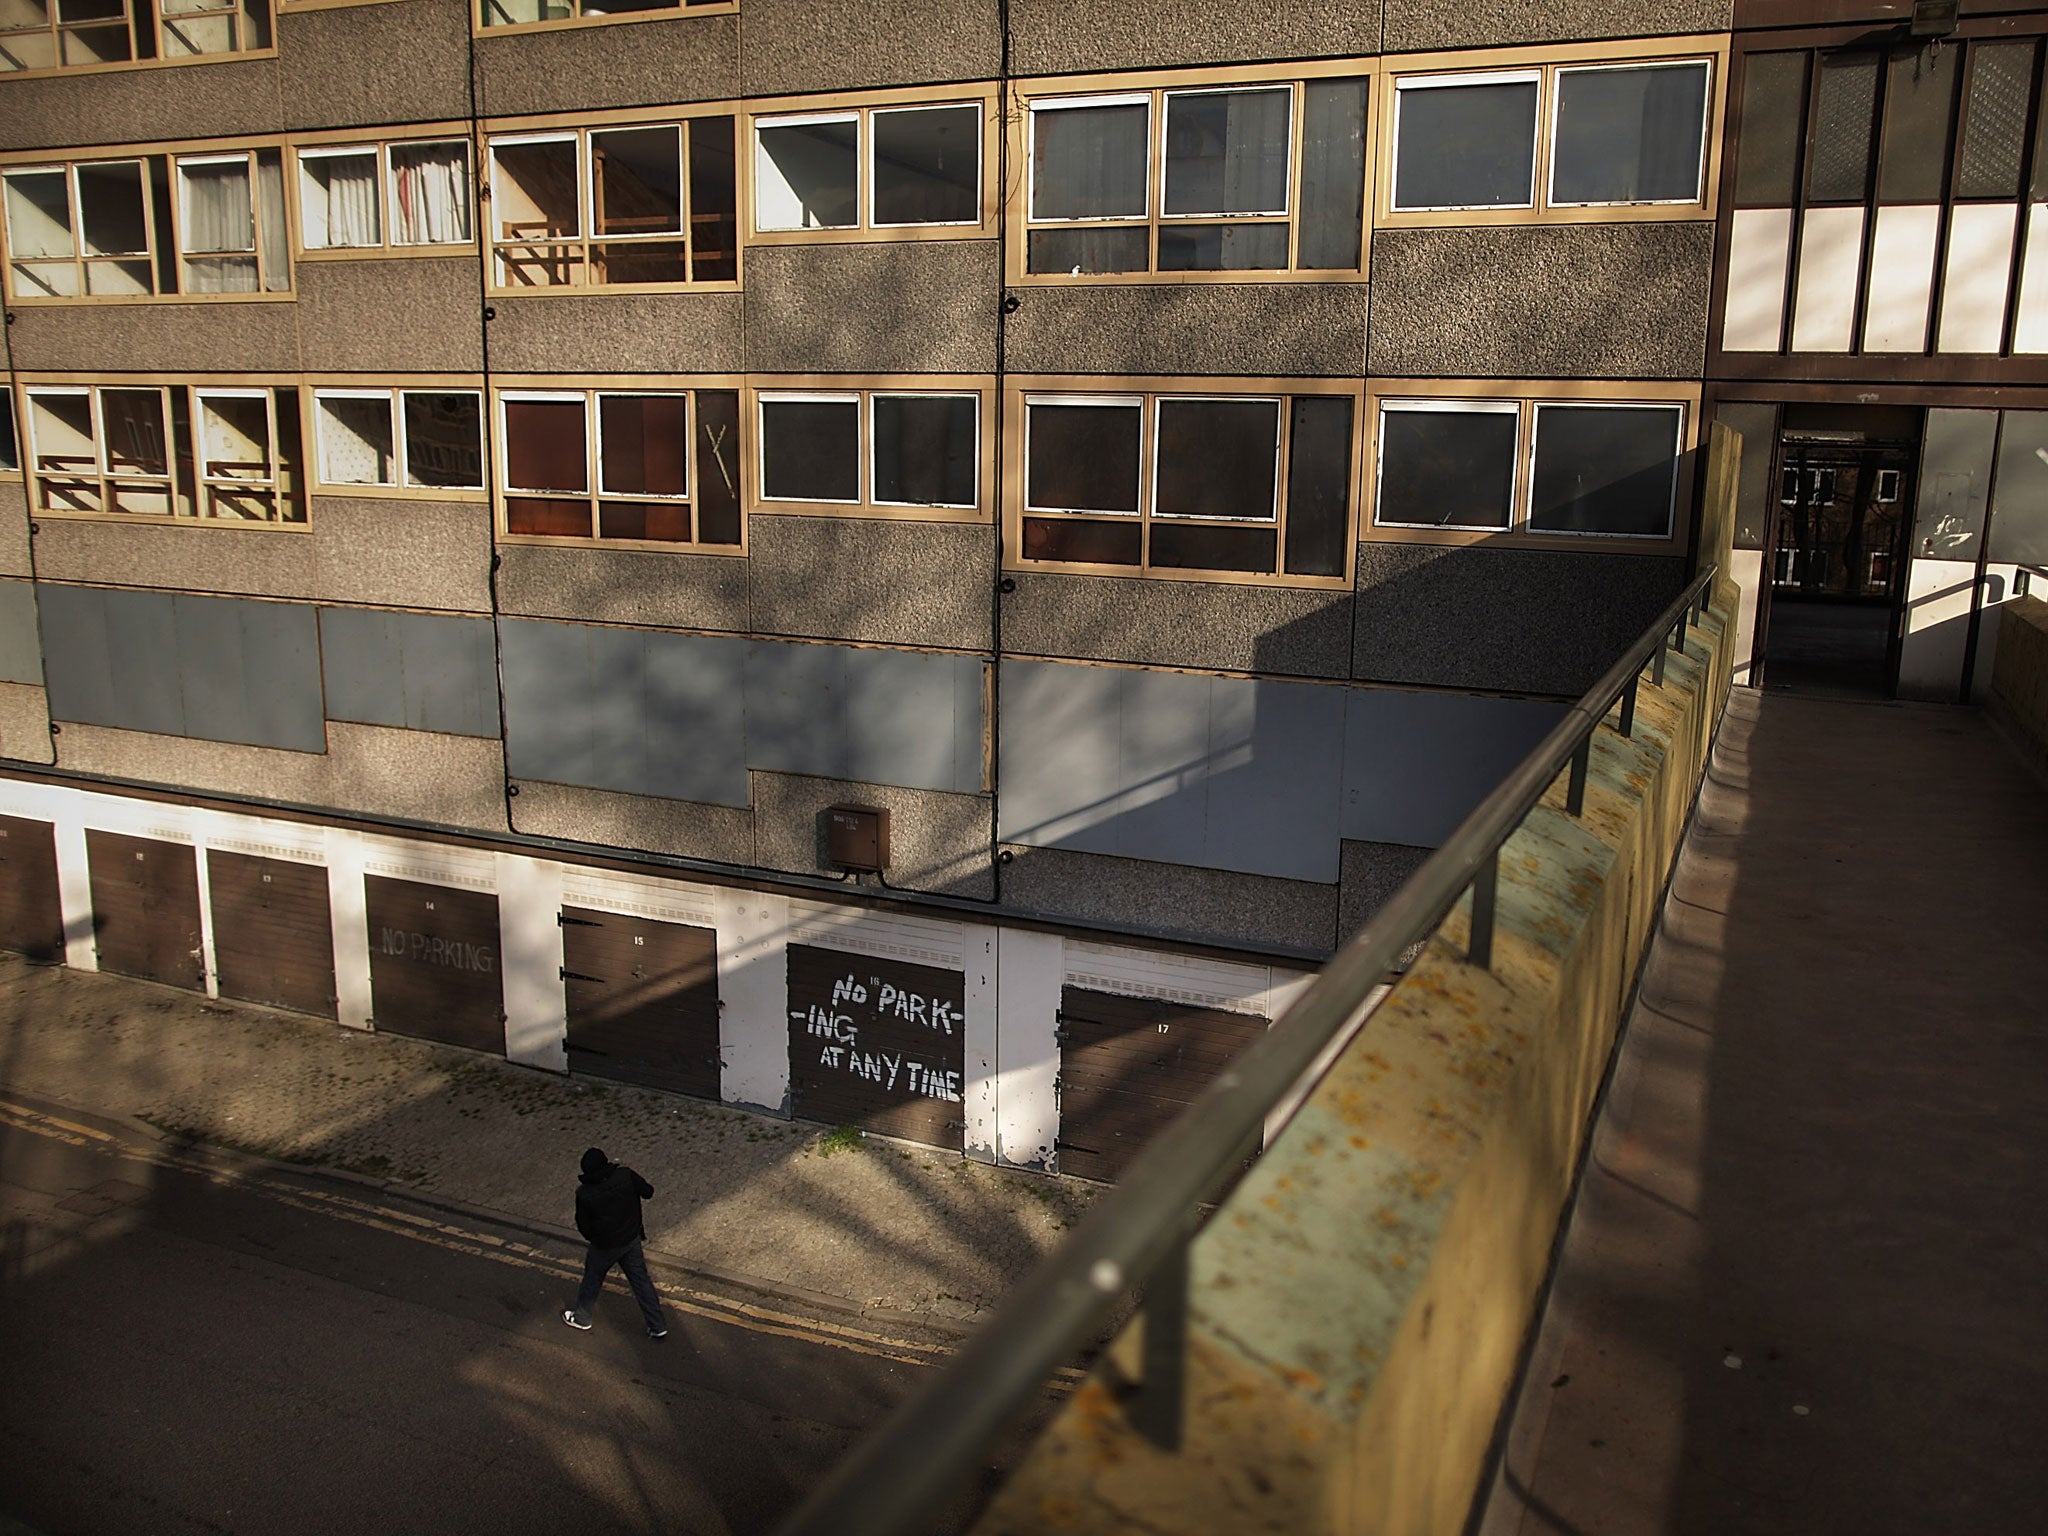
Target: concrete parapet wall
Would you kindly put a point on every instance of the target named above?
(1359, 1302)
(2019, 677)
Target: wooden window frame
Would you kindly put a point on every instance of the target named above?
(588, 389)
(11, 440)
(303, 146)
(862, 106)
(344, 386)
(1021, 390)
(680, 11)
(864, 387)
(155, 23)
(69, 169)
(1525, 396)
(1158, 86)
(1548, 64)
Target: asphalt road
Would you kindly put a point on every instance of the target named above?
(195, 1342)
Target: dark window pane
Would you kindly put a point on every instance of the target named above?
(1318, 485)
(1081, 458)
(1226, 151)
(1217, 458)
(1773, 129)
(544, 446)
(1222, 247)
(925, 450)
(10, 455)
(718, 466)
(547, 517)
(1466, 146)
(1332, 175)
(535, 190)
(1604, 469)
(927, 165)
(642, 445)
(1919, 96)
(714, 202)
(1082, 543)
(132, 428)
(636, 179)
(667, 522)
(658, 261)
(444, 439)
(1089, 250)
(1841, 129)
(1185, 547)
(1995, 121)
(804, 175)
(1447, 469)
(810, 450)
(110, 209)
(1629, 135)
(1089, 162)
(291, 459)
(2019, 496)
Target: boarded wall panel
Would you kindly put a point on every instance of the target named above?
(1830, 257)
(145, 908)
(273, 940)
(142, 651)
(1977, 276)
(877, 1043)
(1759, 257)
(1417, 764)
(31, 914)
(211, 683)
(434, 962)
(796, 709)
(694, 705)
(642, 1000)
(547, 667)
(78, 672)
(902, 723)
(1901, 279)
(414, 671)
(21, 648)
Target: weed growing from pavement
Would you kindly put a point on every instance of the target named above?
(845, 1138)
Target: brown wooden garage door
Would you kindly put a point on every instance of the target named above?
(272, 941)
(643, 1000)
(145, 908)
(31, 916)
(434, 963)
(877, 1043)
(1128, 1066)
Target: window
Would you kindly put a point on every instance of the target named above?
(1171, 483)
(414, 439)
(1552, 137)
(913, 452)
(531, 13)
(355, 197)
(10, 454)
(230, 455)
(83, 229)
(231, 235)
(635, 204)
(905, 167)
(1230, 180)
(649, 466)
(67, 34)
(1601, 468)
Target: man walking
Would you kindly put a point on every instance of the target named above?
(608, 1215)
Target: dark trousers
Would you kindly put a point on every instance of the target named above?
(598, 1262)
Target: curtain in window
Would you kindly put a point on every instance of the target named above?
(430, 194)
(275, 248)
(346, 186)
(218, 218)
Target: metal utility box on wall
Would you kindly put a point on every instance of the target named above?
(857, 837)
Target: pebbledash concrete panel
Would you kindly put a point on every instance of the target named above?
(368, 65)
(1216, 772)
(1371, 873)
(869, 579)
(581, 69)
(407, 314)
(15, 559)
(422, 554)
(419, 671)
(25, 724)
(796, 47)
(188, 555)
(213, 98)
(609, 819)
(615, 332)
(163, 336)
(1515, 620)
(1421, 25)
(650, 588)
(21, 647)
(1208, 905)
(937, 841)
(1280, 330)
(890, 306)
(1417, 764)
(1230, 628)
(1051, 37)
(1565, 301)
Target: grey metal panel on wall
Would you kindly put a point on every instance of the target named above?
(904, 723)
(544, 663)
(1416, 764)
(696, 723)
(796, 709)
(21, 649)
(214, 697)
(142, 647)
(421, 671)
(1216, 772)
(77, 672)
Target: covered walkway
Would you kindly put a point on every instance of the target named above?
(1805, 1287)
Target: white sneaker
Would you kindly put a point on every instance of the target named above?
(569, 1316)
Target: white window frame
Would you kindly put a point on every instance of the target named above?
(579, 155)
(205, 484)
(338, 152)
(863, 179)
(1550, 199)
(1533, 75)
(387, 192)
(867, 439)
(867, 161)
(75, 215)
(1040, 104)
(1526, 501)
(1121, 402)
(596, 428)
(320, 439)
(1439, 405)
(403, 440)
(1286, 88)
(764, 398)
(1272, 517)
(580, 397)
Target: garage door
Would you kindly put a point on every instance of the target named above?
(272, 942)
(877, 1043)
(31, 917)
(434, 963)
(1129, 1066)
(643, 1000)
(145, 908)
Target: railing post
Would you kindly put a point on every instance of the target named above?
(1162, 1393)
(1656, 669)
(1485, 888)
(1575, 791)
(1628, 704)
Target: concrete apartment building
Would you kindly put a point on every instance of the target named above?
(921, 564)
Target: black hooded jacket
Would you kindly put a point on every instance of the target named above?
(608, 1207)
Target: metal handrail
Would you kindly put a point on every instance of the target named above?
(900, 1477)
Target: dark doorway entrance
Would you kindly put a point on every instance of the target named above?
(1834, 567)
